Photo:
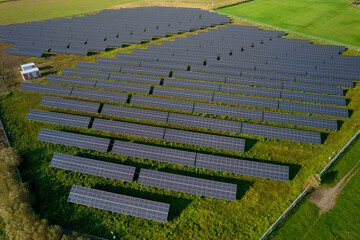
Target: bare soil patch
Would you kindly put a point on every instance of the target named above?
(325, 197)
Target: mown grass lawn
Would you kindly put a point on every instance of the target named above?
(25, 11)
(331, 20)
(341, 222)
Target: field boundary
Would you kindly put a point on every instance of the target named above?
(291, 31)
(306, 190)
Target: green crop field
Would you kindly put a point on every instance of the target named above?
(21, 11)
(341, 222)
(331, 20)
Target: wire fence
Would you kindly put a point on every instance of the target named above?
(303, 193)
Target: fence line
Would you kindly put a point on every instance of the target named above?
(303, 193)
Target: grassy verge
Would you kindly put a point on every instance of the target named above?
(310, 18)
(342, 221)
(25, 11)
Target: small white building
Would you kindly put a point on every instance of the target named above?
(29, 71)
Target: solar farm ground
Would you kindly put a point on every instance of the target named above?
(342, 220)
(310, 18)
(259, 201)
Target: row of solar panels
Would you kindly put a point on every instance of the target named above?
(139, 130)
(145, 59)
(254, 61)
(182, 93)
(221, 97)
(149, 25)
(168, 155)
(172, 104)
(152, 178)
(114, 65)
(170, 118)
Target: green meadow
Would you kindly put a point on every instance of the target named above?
(330, 20)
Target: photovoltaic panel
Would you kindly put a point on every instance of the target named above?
(210, 86)
(98, 66)
(198, 186)
(228, 111)
(182, 93)
(199, 76)
(264, 92)
(135, 78)
(146, 71)
(44, 88)
(85, 73)
(244, 167)
(136, 113)
(119, 203)
(204, 122)
(299, 120)
(246, 101)
(281, 133)
(73, 139)
(99, 95)
(93, 167)
(313, 88)
(70, 104)
(126, 87)
(312, 108)
(154, 153)
(254, 81)
(309, 97)
(203, 139)
(59, 118)
(162, 103)
(71, 81)
(128, 128)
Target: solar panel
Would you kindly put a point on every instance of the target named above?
(59, 118)
(135, 78)
(70, 104)
(191, 84)
(97, 66)
(204, 122)
(203, 139)
(43, 88)
(73, 139)
(182, 93)
(99, 95)
(281, 133)
(71, 81)
(162, 103)
(126, 87)
(264, 92)
(246, 101)
(312, 108)
(239, 166)
(136, 113)
(198, 186)
(299, 120)
(119, 203)
(317, 98)
(128, 128)
(199, 76)
(146, 71)
(228, 111)
(85, 73)
(154, 153)
(313, 88)
(93, 167)
(254, 81)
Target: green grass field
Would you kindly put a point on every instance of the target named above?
(331, 20)
(341, 222)
(21, 11)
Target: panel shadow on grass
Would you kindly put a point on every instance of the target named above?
(177, 205)
(324, 136)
